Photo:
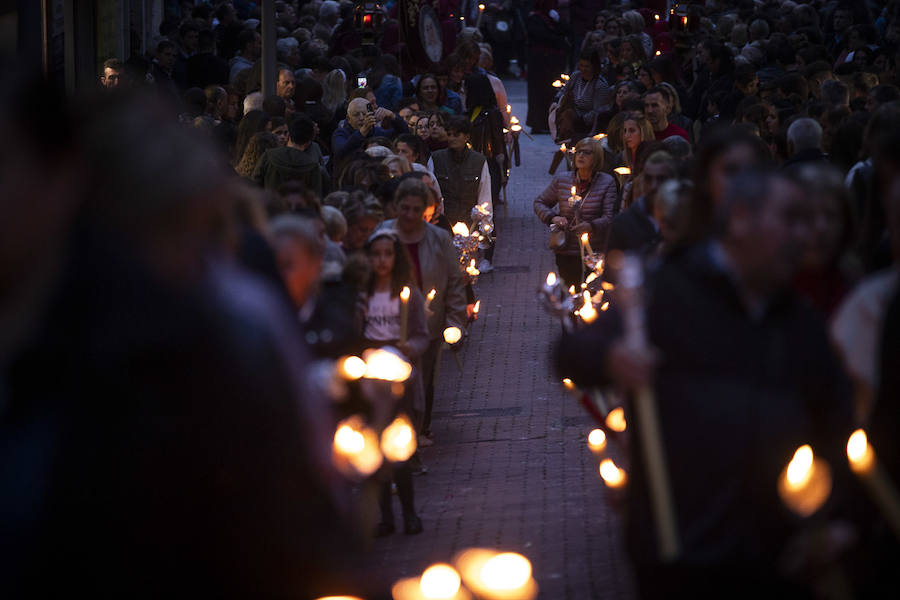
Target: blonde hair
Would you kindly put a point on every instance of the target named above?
(644, 127)
(596, 148)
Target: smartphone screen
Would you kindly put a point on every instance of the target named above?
(369, 107)
(361, 82)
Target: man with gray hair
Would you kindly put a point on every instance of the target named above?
(804, 138)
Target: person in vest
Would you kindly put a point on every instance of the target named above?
(463, 175)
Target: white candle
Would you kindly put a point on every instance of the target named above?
(872, 475)
(404, 312)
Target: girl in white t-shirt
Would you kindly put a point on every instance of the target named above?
(381, 327)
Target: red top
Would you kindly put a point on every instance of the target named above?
(671, 130)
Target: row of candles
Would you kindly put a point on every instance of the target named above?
(478, 573)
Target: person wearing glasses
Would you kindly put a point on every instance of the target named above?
(591, 215)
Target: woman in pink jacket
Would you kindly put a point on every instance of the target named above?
(592, 214)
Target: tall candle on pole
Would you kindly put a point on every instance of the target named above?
(404, 312)
(661, 501)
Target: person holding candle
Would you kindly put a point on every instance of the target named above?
(588, 210)
(742, 374)
(380, 316)
(434, 265)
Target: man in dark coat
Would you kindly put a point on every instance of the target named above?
(359, 126)
(743, 375)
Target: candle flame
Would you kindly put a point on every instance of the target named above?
(658, 52)
(439, 582)
(615, 420)
(452, 335)
(471, 270)
(612, 475)
(622, 171)
(461, 229)
(509, 108)
(386, 366)
(514, 120)
(477, 307)
(571, 290)
(656, 17)
(562, 147)
(607, 286)
(431, 294)
(859, 452)
(352, 368)
(573, 190)
(505, 130)
(800, 468)
(398, 440)
(339, 598)
(568, 384)
(684, 21)
(599, 136)
(584, 238)
(597, 440)
(564, 77)
(355, 447)
(605, 306)
(481, 7)
(587, 313)
(404, 294)
(506, 571)
(591, 277)
(557, 84)
(551, 278)
(516, 128)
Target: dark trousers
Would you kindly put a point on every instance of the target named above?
(402, 476)
(569, 267)
(429, 362)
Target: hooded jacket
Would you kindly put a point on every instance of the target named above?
(279, 165)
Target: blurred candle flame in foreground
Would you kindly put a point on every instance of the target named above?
(599, 136)
(551, 278)
(558, 84)
(339, 598)
(612, 475)
(805, 483)
(355, 448)
(404, 293)
(615, 420)
(596, 441)
(439, 581)
(492, 575)
(352, 367)
(386, 366)
(509, 108)
(568, 384)
(605, 306)
(622, 171)
(472, 270)
(859, 452)
(452, 335)
(477, 308)
(398, 440)
(562, 147)
(461, 229)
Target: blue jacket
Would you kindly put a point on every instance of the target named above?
(346, 140)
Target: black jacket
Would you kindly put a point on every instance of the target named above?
(633, 231)
(736, 397)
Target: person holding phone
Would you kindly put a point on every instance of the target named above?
(359, 125)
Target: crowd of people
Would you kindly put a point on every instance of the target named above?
(748, 153)
(179, 248)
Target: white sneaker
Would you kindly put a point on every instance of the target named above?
(485, 266)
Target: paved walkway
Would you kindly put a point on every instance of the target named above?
(510, 468)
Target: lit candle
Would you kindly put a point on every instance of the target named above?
(438, 582)
(656, 17)
(613, 476)
(587, 312)
(586, 242)
(872, 475)
(480, 14)
(386, 366)
(452, 335)
(658, 52)
(352, 368)
(471, 270)
(429, 298)
(805, 483)
(597, 441)
(398, 440)
(355, 448)
(562, 147)
(599, 136)
(461, 229)
(564, 77)
(497, 575)
(684, 21)
(557, 84)
(509, 109)
(615, 420)
(404, 312)
(477, 308)
(551, 279)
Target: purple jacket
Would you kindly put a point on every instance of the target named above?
(597, 207)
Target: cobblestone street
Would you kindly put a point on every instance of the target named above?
(510, 468)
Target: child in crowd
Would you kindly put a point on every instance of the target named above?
(380, 319)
